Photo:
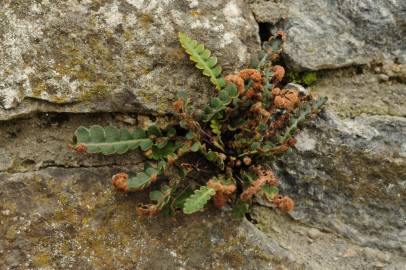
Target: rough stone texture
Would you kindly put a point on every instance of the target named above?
(331, 34)
(42, 142)
(348, 174)
(320, 249)
(355, 168)
(354, 92)
(112, 55)
(60, 218)
(58, 210)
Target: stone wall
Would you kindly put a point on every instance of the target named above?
(69, 63)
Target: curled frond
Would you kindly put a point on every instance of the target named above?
(237, 80)
(253, 189)
(264, 177)
(120, 181)
(220, 199)
(288, 101)
(286, 204)
(220, 187)
(251, 74)
(141, 180)
(81, 148)
(146, 210)
(279, 72)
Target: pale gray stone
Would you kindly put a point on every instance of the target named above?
(91, 56)
(337, 33)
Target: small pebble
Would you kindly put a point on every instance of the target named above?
(371, 80)
(126, 119)
(314, 233)
(349, 253)
(5, 212)
(378, 265)
(383, 77)
(377, 254)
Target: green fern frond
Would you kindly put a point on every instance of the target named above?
(269, 191)
(110, 140)
(301, 116)
(203, 59)
(161, 197)
(162, 150)
(142, 179)
(240, 209)
(215, 126)
(220, 103)
(198, 200)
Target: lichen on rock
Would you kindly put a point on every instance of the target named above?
(69, 52)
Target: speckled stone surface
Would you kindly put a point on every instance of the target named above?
(348, 170)
(332, 34)
(348, 176)
(88, 56)
(59, 218)
(58, 210)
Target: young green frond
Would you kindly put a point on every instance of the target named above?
(203, 59)
(220, 103)
(198, 200)
(143, 179)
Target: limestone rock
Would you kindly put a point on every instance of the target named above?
(58, 210)
(331, 34)
(347, 173)
(90, 56)
(348, 176)
(73, 219)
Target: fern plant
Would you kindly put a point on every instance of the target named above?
(251, 119)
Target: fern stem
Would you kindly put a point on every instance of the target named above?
(248, 153)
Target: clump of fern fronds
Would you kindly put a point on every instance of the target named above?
(251, 118)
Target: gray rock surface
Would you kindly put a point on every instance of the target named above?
(348, 174)
(331, 34)
(355, 168)
(354, 91)
(88, 56)
(320, 249)
(53, 219)
(58, 210)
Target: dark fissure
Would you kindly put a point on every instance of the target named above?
(264, 31)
